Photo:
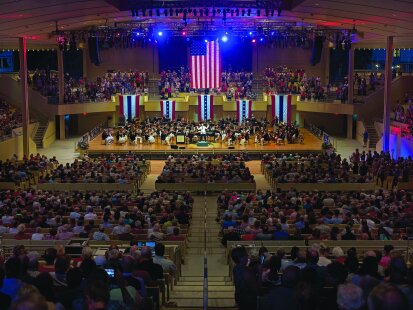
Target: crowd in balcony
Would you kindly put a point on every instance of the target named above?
(235, 84)
(86, 90)
(10, 118)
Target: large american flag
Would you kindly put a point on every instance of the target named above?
(205, 64)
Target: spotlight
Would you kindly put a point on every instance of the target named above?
(253, 40)
(250, 33)
(184, 33)
(160, 33)
(261, 39)
(206, 41)
(272, 33)
(224, 38)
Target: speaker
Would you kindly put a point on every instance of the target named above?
(316, 50)
(93, 46)
(182, 147)
(174, 147)
(231, 147)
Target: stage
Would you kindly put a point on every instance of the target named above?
(157, 150)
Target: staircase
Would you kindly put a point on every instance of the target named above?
(373, 136)
(153, 89)
(188, 293)
(40, 132)
(258, 88)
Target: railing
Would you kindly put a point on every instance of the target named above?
(83, 142)
(205, 286)
(328, 140)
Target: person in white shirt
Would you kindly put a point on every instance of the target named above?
(90, 215)
(37, 235)
(167, 265)
(119, 229)
(202, 131)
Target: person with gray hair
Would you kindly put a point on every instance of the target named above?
(349, 297)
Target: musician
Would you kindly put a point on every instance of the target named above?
(104, 135)
(202, 131)
(109, 139)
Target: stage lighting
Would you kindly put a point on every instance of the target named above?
(206, 41)
(261, 39)
(184, 33)
(253, 40)
(160, 33)
(224, 38)
(250, 33)
(272, 33)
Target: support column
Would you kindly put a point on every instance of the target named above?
(61, 75)
(62, 127)
(387, 94)
(25, 95)
(349, 126)
(350, 77)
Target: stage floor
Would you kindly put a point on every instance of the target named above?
(311, 144)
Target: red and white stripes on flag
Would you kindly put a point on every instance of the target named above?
(129, 106)
(168, 109)
(205, 64)
(281, 107)
(205, 107)
(244, 108)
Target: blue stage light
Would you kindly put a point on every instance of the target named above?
(160, 33)
(250, 33)
(261, 39)
(224, 38)
(206, 41)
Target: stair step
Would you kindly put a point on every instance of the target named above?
(201, 278)
(198, 303)
(211, 283)
(195, 295)
(200, 288)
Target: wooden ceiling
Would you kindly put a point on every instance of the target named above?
(374, 19)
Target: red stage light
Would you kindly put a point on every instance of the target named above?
(184, 33)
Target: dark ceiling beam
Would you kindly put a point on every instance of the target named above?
(124, 5)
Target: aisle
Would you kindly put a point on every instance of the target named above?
(189, 291)
(255, 169)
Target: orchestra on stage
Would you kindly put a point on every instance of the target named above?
(226, 131)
